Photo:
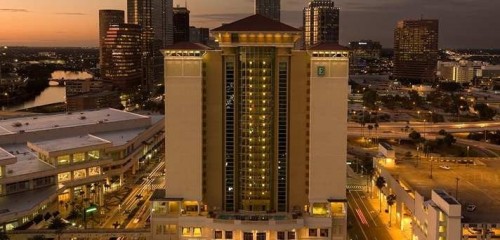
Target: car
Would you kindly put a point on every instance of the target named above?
(446, 167)
(471, 208)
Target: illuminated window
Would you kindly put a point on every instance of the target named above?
(63, 177)
(79, 174)
(186, 231)
(94, 171)
(63, 160)
(197, 232)
(78, 157)
(94, 155)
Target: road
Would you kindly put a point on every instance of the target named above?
(395, 127)
(140, 194)
(366, 225)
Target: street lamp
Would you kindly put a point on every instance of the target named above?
(467, 162)
(431, 168)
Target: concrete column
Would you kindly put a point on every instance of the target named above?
(399, 213)
(121, 180)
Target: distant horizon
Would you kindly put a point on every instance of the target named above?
(464, 24)
(97, 47)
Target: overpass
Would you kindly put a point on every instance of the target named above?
(423, 127)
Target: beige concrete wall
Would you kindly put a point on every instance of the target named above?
(183, 129)
(298, 131)
(213, 142)
(328, 131)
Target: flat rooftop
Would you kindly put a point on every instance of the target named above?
(70, 143)
(27, 161)
(477, 184)
(26, 200)
(4, 155)
(38, 123)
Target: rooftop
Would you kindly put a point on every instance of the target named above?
(478, 184)
(26, 200)
(27, 161)
(52, 147)
(187, 46)
(328, 47)
(39, 123)
(256, 23)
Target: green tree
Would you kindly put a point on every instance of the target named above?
(380, 183)
(59, 225)
(370, 98)
(485, 112)
(415, 136)
(449, 139)
(391, 199)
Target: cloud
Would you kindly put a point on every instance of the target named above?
(71, 13)
(13, 10)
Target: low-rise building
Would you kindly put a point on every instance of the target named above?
(439, 199)
(51, 160)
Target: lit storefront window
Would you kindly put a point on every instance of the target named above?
(63, 177)
(79, 174)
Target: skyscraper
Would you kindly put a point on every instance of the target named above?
(181, 24)
(121, 56)
(155, 18)
(268, 8)
(106, 19)
(416, 50)
(321, 23)
(255, 137)
(163, 25)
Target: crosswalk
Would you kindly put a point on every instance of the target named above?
(355, 187)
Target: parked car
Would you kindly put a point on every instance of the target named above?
(445, 167)
(471, 208)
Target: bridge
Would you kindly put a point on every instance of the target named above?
(81, 233)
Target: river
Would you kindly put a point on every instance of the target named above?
(52, 94)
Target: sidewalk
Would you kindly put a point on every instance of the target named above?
(395, 229)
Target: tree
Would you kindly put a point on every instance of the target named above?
(370, 98)
(59, 225)
(376, 132)
(485, 112)
(449, 139)
(380, 183)
(370, 128)
(391, 199)
(442, 132)
(415, 136)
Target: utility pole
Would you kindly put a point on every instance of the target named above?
(456, 189)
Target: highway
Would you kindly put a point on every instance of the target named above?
(397, 127)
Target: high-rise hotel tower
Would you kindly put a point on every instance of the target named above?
(268, 8)
(255, 137)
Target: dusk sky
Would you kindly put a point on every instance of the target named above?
(463, 23)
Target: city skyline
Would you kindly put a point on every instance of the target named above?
(464, 23)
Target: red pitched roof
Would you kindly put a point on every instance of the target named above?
(256, 23)
(329, 46)
(187, 46)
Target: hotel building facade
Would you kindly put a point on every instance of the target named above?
(255, 137)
